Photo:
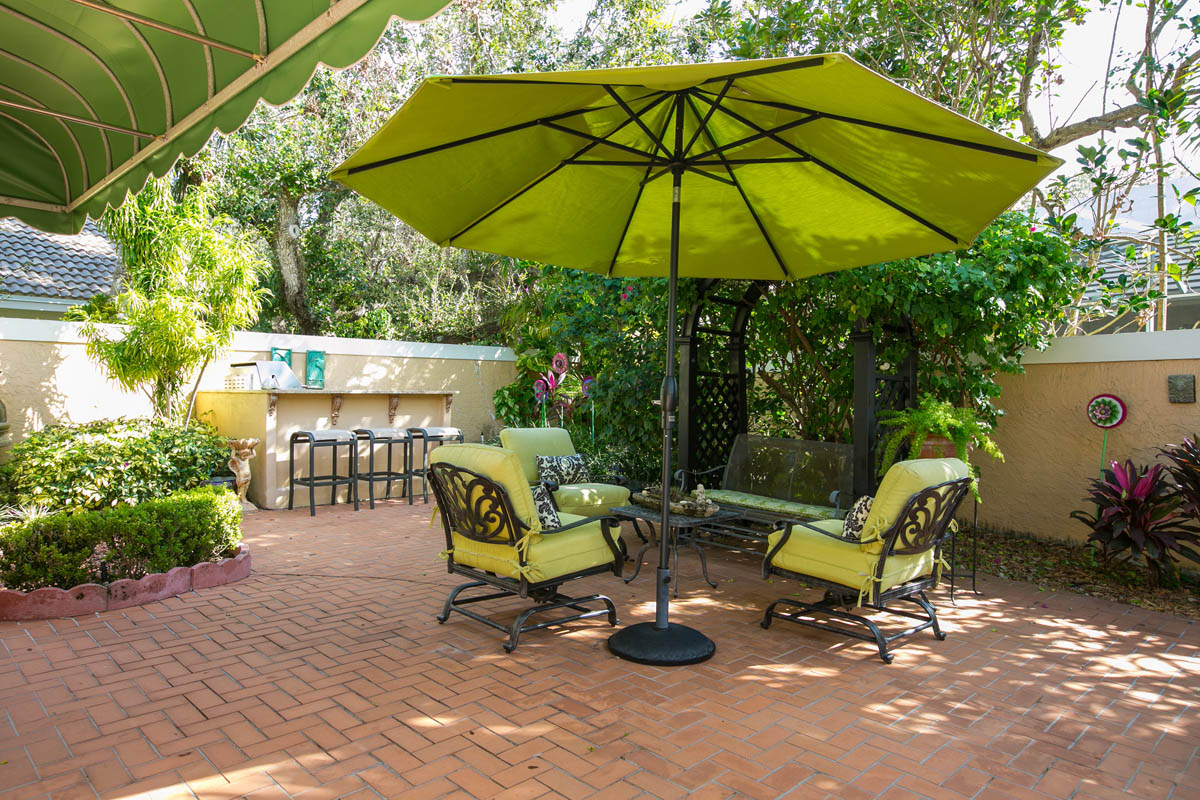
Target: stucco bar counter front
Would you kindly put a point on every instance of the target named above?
(272, 416)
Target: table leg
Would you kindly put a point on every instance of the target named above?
(703, 561)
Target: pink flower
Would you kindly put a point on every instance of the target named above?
(625, 295)
(559, 363)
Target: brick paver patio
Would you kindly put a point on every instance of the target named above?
(325, 675)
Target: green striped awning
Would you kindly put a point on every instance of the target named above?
(97, 94)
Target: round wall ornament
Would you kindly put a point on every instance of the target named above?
(1106, 411)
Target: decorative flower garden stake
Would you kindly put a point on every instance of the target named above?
(1105, 411)
(585, 390)
(541, 391)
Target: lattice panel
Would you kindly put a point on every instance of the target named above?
(717, 400)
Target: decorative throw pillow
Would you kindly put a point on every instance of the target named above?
(544, 504)
(856, 517)
(562, 469)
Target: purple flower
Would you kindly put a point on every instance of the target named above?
(559, 363)
(540, 390)
(587, 385)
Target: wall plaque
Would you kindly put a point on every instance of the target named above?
(1181, 388)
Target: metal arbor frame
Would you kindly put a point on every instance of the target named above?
(713, 408)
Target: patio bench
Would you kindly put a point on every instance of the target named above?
(770, 480)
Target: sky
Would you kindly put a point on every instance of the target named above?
(1084, 59)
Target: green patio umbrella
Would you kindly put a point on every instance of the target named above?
(95, 95)
(776, 169)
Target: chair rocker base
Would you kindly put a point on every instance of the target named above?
(547, 599)
(829, 606)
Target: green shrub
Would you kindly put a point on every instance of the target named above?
(64, 549)
(112, 462)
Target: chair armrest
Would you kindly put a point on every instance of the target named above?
(551, 485)
(615, 544)
(786, 526)
(614, 479)
(683, 475)
(611, 521)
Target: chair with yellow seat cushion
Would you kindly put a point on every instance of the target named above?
(494, 537)
(584, 499)
(898, 556)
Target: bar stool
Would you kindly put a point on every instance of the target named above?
(327, 438)
(386, 437)
(428, 436)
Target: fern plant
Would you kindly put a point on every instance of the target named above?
(933, 417)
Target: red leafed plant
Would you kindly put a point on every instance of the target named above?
(1185, 469)
(1136, 515)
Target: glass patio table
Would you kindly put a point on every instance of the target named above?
(680, 525)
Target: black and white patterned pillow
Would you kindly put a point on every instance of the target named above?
(856, 517)
(562, 469)
(544, 504)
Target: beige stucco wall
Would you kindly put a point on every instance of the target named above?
(1051, 449)
(46, 377)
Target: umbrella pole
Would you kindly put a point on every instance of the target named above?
(669, 400)
(664, 643)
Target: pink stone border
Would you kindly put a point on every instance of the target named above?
(88, 598)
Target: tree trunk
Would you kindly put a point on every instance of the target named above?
(293, 280)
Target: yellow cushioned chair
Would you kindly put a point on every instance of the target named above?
(584, 499)
(898, 555)
(494, 537)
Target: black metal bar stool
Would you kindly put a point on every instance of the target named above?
(427, 437)
(388, 437)
(332, 438)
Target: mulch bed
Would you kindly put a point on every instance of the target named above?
(1063, 566)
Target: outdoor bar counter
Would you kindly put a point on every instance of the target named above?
(273, 415)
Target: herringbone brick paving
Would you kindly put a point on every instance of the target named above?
(325, 675)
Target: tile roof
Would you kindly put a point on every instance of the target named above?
(46, 265)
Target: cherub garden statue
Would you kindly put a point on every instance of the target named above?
(240, 453)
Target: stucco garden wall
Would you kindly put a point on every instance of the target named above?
(1050, 447)
(46, 377)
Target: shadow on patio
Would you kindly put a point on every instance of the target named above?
(325, 674)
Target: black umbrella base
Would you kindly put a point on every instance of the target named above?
(673, 647)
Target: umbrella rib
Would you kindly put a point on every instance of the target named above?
(597, 139)
(791, 65)
(838, 173)
(737, 185)
(708, 116)
(520, 126)
(612, 265)
(933, 137)
(553, 170)
(636, 118)
(761, 134)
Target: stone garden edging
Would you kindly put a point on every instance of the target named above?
(88, 598)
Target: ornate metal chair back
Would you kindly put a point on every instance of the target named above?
(925, 521)
(473, 506)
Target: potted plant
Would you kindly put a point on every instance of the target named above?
(935, 429)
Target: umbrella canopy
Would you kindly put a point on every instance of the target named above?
(776, 169)
(97, 94)
(793, 167)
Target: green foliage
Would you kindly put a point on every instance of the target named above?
(188, 284)
(112, 462)
(64, 550)
(933, 417)
(1136, 515)
(613, 328)
(972, 314)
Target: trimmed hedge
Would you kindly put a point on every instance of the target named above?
(111, 462)
(176, 531)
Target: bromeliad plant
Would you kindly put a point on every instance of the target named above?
(1137, 515)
